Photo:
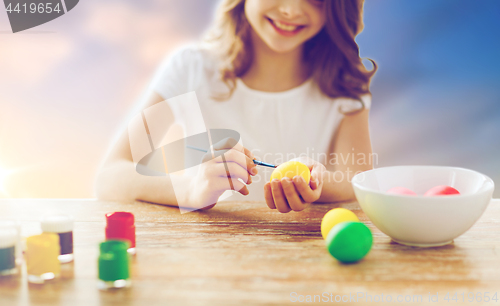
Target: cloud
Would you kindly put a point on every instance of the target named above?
(27, 59)
(146, 34)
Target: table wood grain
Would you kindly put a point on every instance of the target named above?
(244, 253)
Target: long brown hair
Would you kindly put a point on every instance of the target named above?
(333, 52)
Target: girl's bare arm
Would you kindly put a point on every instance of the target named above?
(117, 180)
(352, 141)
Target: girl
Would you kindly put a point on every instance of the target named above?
(285, 74)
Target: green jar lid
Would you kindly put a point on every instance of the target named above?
(114, 261)
(349, 241)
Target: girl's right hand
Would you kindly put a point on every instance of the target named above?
(217, 174)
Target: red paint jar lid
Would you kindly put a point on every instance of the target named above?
(120, 219)
(120, 225)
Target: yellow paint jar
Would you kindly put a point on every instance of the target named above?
(42, 261)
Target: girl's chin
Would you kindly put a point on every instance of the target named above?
(282, 48)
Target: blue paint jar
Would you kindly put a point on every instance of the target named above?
(8, 239)
(14, 224)
(61, 225)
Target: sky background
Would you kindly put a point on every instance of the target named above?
(67, 87)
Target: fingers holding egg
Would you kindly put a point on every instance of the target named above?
(279, 197)
(292, 196)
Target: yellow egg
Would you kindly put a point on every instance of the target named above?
(291, 169)
(334, 217)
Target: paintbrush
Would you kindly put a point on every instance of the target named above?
(257, 162)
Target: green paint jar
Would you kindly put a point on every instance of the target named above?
(114, 264)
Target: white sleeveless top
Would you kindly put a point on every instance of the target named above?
(274, 126)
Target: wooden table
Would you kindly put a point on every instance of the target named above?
(244, 253)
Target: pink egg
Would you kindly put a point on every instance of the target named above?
(441, 190)
(401, 190)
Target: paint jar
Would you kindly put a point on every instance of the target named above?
(114, 264)
(13, 224)
(8, 240)
(62, 225)
(120, 226)
(42, 261)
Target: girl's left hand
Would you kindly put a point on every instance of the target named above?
(296, 194)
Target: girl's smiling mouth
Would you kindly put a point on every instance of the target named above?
(285, 29)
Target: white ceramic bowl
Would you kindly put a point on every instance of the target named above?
(423, 221)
